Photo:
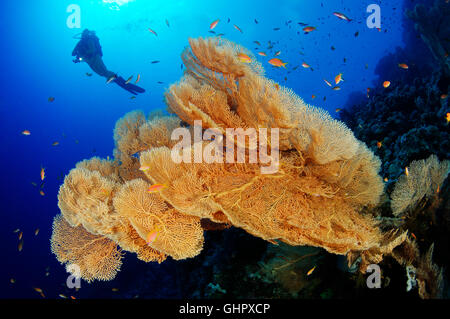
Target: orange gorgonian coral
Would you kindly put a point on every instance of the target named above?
(324, 179)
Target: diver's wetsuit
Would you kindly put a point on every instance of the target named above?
(88, 50)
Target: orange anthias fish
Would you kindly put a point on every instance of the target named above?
(237, 28)
(262, 53)
(309, 29)
(244, 58)
(39, 290)
(26, 132)
(277, 62)
(20, 246)
(20, 235)
(403, 66)
(42, 173)
(151, 236)
(338, 110)
(214, 24)
(144, 168)
(55, 143)
(277, 53)
(310, 271)
(386, 84)
(305, 65)
(447, 117)
(36, 232)
(138, 78)
(156, 188)
(342, 16)
(152, 32)
(42, 193)
(386, 179)
(406, 171)
(338, 78)
(379, 144)
(328, 83)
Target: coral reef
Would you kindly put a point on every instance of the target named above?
(325, 177)
(424, 179)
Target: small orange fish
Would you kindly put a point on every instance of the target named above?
(310, 271)
(237, 28)
(214, 24)
(309, 29)
(336, 88)
(138, 78)
(403, 66)
(12, 280)
(338, 110)
(156, 188)
(55, 143)
(244, 58)
(277, 53)
(342, 16)
(447, 117)
(379, 144)
(262, 53)
(386, 179)
(414, 236)
(115, 289)
(313, 96)
(20, 235)
(62, 296)
(152, 32)
(437, 190)
(39, 290)
(328, 83)
(386, 84)
(277, 86)
(277, 63)
(338, 78)
(406, 171)
(72, 297)
(444, 96)
(305, 65)
(26, 132)
(42, 173)
(144, 168)
(151, 236)
(42, 193)
(20, 246)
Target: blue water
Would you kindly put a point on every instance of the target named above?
(36, 64)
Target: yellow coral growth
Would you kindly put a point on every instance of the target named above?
(424, 179)
(325, 177)
(179, 236)
(97, 257)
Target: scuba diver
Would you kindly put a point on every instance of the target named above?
(88, 50)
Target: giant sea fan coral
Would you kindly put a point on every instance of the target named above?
(325, 175)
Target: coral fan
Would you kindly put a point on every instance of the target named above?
(425, 178)
(324, 179)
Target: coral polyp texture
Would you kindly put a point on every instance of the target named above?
(324, 179)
